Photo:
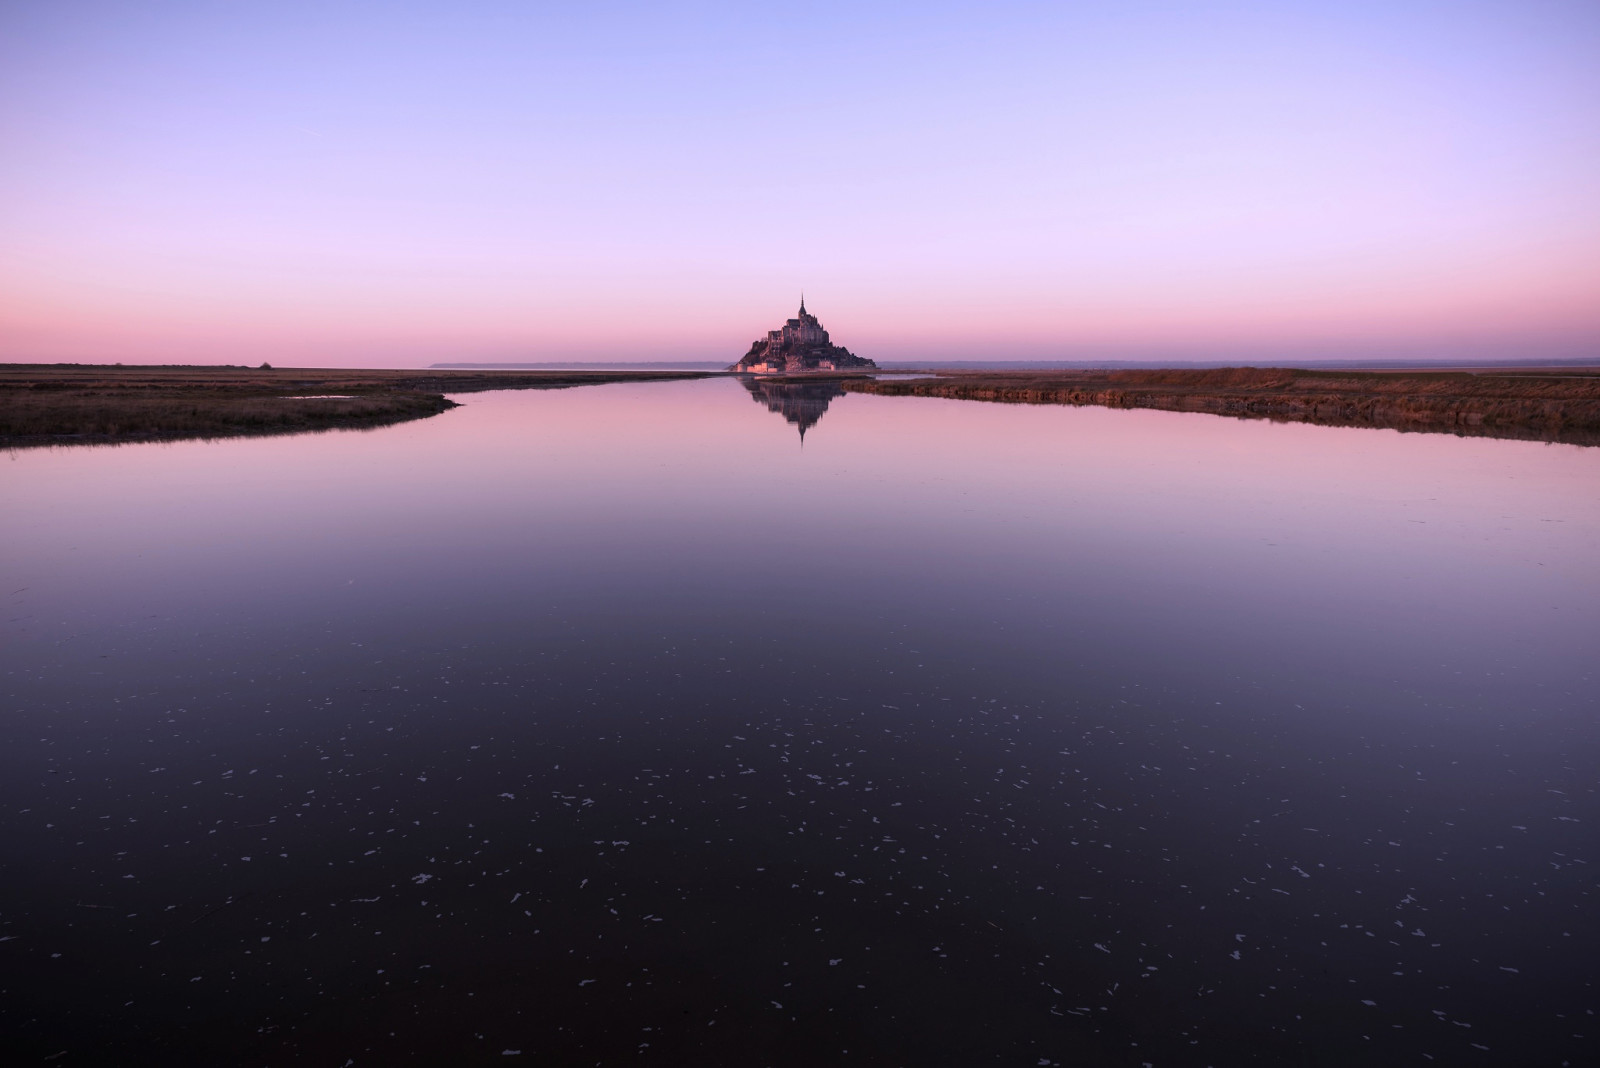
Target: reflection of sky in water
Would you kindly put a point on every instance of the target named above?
(1036, 681)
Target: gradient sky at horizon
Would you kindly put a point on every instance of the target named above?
(390, 184)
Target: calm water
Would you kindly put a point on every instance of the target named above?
(616, 725)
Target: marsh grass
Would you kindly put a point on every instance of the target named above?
(88, 404)
(120, 414)
(1555, 406)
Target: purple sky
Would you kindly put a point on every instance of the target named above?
(394, 184)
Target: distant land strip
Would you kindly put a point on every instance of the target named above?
(591, 365)
(89, 404)
(1389, 364)
(1546, 404)
(1052, 365)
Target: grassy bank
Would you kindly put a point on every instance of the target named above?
(64, 404)
(1557, 405)
(86, 404)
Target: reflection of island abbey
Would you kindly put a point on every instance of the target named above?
(800, 346)
(801, 403)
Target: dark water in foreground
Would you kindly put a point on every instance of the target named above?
(613, 726)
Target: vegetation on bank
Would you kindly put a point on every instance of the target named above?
(85, 404)
(1557, 405)
(61, 404)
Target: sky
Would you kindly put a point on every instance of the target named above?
(395, 184)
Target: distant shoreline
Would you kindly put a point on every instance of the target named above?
(1053, 365)
(588, 365)
(1211, 365)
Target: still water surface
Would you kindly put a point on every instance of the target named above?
(618, 724)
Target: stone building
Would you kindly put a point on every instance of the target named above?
(800, 346)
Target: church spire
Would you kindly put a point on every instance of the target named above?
(802, 302)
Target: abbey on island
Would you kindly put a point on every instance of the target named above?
(800, 346)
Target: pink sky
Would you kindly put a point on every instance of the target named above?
(341, 185)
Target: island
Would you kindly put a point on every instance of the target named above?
(800, 346)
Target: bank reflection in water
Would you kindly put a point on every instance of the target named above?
(801, 403)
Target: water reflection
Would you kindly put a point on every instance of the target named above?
(567, 722)
(801, 403)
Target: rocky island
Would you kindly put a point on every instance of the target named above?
(799, 347)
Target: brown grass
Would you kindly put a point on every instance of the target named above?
(88, 404)
(83, 403)
(1559, 405)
